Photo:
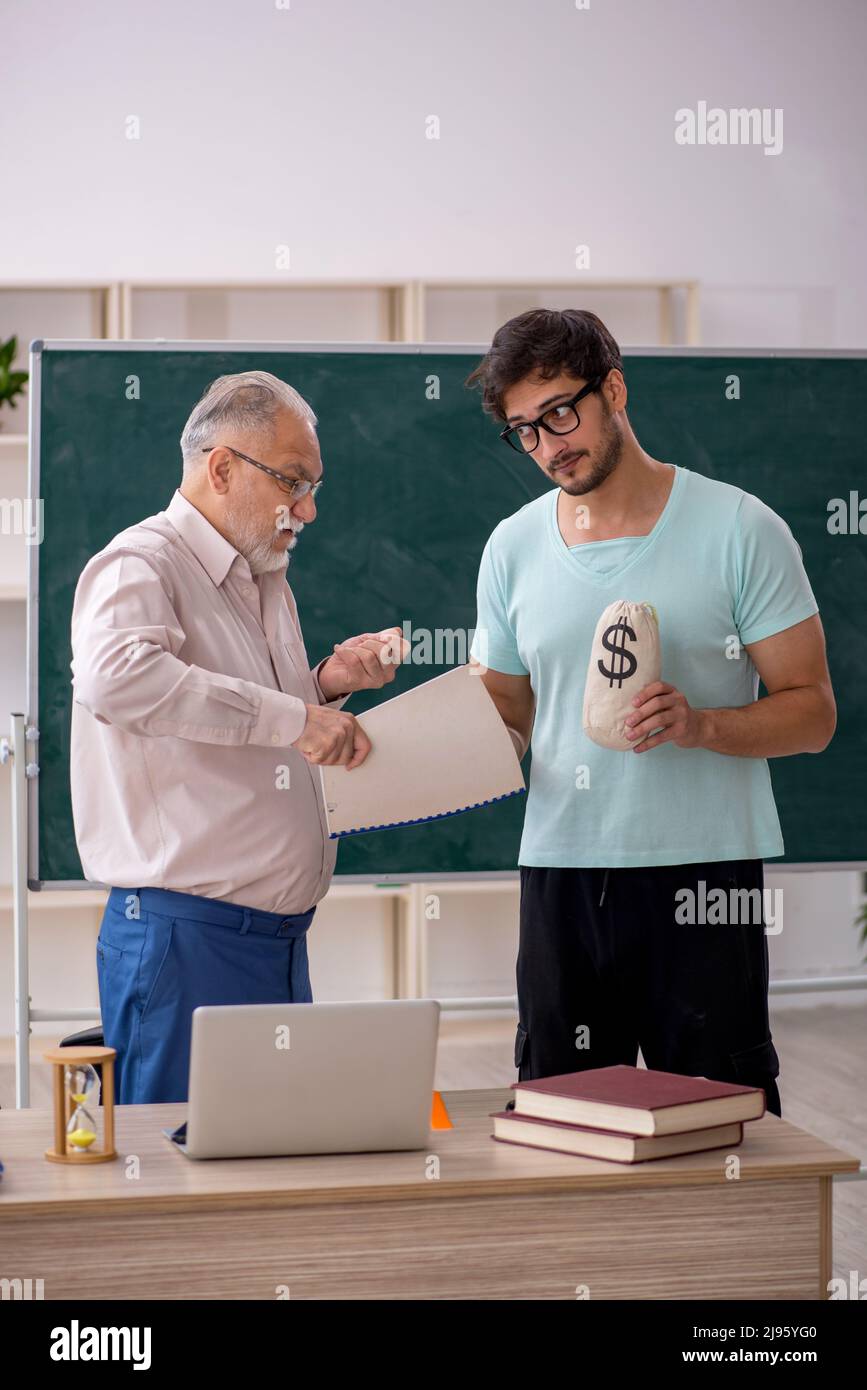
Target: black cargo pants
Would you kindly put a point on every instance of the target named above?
(604, 967)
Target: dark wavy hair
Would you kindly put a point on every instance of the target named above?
(544, 342)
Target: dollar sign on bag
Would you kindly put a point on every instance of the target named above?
(623, 663)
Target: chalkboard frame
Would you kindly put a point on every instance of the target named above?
(470, 350)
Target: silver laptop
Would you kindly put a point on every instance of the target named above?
(309, 1078)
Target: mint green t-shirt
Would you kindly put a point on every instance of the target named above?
(722, 571)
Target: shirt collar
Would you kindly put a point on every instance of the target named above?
(215, 554)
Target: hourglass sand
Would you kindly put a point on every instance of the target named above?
(82, 1084)
(76, 1095)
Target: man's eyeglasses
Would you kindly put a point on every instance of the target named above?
(558, 419)
(296, 488)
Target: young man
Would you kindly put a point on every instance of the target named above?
(615, 842)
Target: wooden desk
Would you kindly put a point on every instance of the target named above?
(498, 1222)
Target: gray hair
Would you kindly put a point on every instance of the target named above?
(246, 403)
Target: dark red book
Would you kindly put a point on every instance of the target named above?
(635, 1100)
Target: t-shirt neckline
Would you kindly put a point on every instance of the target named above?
(571, 557)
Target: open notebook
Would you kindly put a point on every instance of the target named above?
(436, 750)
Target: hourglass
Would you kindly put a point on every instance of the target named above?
(76, 1096)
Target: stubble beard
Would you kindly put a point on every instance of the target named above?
(611, 451)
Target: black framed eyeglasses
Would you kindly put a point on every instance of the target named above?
(557, 419)
(296, 488)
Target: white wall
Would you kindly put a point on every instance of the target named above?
(306, 126)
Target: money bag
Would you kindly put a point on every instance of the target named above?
(625, 657)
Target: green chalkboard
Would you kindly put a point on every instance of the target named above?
(416, 481)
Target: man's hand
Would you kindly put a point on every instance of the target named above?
(798, 714)
(366, 662)
(663, 707)
(331, 736)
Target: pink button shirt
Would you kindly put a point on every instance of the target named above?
(190, 681)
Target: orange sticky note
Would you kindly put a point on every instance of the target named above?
(439, 1116)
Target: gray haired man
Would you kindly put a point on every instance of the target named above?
(197, 724)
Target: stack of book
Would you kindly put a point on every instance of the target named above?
(628, 1114)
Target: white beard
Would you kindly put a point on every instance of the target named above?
(259, 551)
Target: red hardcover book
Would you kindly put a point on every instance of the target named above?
(635, 1100)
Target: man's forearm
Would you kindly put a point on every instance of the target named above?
(790, 721)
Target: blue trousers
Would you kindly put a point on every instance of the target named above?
(161, 954)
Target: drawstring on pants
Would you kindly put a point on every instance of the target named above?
(604, 886)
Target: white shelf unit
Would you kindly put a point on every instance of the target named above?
(264, 311)
(651, 312)
(656, 312)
